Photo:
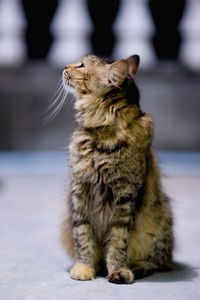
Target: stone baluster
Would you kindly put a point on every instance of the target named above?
(12, 24)
(190, 28)
(70, 28)
(134, 28)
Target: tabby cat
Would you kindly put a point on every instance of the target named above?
(118, 219)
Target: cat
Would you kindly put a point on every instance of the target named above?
(118, 218)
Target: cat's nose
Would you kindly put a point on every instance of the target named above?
(68, 67)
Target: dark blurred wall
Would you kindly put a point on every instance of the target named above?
(169, 91)
(171, 98)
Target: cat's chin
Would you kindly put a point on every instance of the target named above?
(72, 91)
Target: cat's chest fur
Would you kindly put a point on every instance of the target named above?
(97, 162)
(104, 169)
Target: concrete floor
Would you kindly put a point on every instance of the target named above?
(34, 265)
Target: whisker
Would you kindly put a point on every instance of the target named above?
(58, 102)
(56, 98)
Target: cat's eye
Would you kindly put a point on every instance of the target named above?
(81, 66)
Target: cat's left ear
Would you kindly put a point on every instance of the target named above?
(117, 72)
(133, 63)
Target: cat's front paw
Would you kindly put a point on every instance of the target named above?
(122, 276)
(82, 272)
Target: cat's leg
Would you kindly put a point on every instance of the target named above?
(158, 255)
(116, 254)
(118, 272)
(161, 250)
(85, 246)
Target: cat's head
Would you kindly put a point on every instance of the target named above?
(93, 75)
(102, 89)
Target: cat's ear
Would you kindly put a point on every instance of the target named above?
(117, 72)
(133, 63)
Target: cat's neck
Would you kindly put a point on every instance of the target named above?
(105, 113)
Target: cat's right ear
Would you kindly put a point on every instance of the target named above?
(117, 72)
(133, 63)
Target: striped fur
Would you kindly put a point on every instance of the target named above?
(117, 213)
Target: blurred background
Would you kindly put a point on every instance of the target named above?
(38, 39)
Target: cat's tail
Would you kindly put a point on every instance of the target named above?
(143, 269)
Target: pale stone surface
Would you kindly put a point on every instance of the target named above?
(33, 265)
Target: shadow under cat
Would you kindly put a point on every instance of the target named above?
(181, 272)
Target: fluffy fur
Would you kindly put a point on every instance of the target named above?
(117, 219)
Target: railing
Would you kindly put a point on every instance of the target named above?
(71, 26)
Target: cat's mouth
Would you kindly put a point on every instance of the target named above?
(67, 81)
(66, 76)
(68, 85)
